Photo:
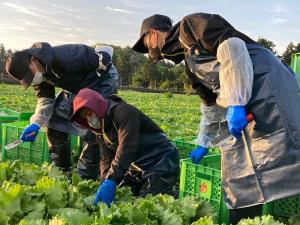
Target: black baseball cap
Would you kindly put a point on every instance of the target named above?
(17, 66)
(158, 22)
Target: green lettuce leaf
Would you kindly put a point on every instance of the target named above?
(32, 222)
(54, 191)
(204, 221)
(74, 216)
(264, 220)
(4, 219)
(10, 199)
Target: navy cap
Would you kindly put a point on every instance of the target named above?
(157, 22)
(17, 66)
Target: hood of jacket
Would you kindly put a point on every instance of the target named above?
(87, 98)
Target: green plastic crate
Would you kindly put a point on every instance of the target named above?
(295, 63)
(204, 180)
(6, 116)
(24, 116)
(287, 207)
(31, 152)
(283, 208)
(186, 144)
(75, 144)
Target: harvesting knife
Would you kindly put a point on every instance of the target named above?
(13, 145)
(17, 142)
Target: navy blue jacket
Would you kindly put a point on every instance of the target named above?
(70, 67)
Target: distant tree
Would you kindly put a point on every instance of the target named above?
(3, 58)
(267, 44)
(136, 70)
(291, 49)
(127, 62)
(139, 80)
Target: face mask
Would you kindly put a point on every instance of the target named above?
(154, 53)
(93, 121)
(37, 79)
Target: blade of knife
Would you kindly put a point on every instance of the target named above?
(13, 145)
(220, 143)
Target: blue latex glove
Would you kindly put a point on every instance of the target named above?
(237, 120)
(197, 154)
(106, 192)
(30, 132)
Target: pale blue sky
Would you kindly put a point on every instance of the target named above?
(23, 22)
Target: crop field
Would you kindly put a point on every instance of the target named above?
(33, 195)
(41, 195)
(177, 115)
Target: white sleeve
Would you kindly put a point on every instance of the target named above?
(209, 128)
(236, 73)
(43, 112)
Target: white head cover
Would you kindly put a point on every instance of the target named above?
(104, 48)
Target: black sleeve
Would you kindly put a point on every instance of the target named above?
(107, 155)
(208, 96)
(208, 31)
(45, 90)
(127, 121)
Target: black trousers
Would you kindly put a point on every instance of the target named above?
(59, 149)
(150, 182)
(160, 178)
(235, 215)
(60, 153)
(88, 165)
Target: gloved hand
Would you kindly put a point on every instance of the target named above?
(197, 154)
(30, 132)
(237, 120)
(106, 192)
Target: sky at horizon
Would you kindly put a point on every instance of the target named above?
(23, 22)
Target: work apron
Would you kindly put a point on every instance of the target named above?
(264, 164)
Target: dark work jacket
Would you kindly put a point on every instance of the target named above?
(123, 127)
(204, 32)
(70, 67)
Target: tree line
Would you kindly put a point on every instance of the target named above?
(136, 70)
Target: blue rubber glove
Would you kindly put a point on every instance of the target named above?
(237, 120)
(197, 154)
(30, 132)
(106, 192)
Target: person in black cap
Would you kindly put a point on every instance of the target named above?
(70, 67)
(158, 27)
(236, 77)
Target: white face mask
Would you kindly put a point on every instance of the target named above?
(93, 121)
(37, 79)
